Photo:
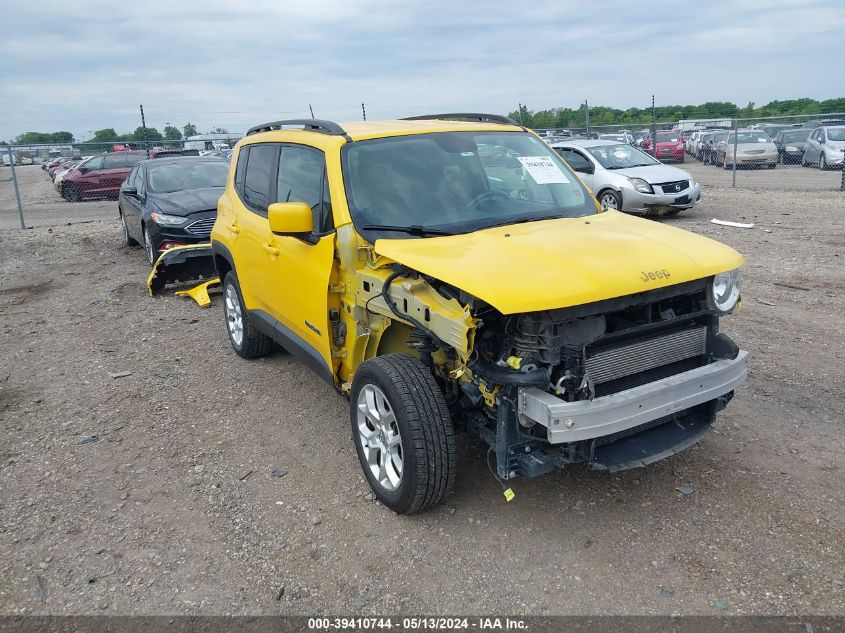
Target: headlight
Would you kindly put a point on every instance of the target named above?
(167, 220)
(789, 148)
(641, 185)
(723, 293)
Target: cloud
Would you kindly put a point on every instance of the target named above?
(78, 66)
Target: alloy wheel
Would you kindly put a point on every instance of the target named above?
(380, 438)
(608, 201)
(148, 246)
(234, 316)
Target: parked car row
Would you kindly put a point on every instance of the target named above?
(822, 147)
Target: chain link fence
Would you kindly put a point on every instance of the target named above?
(50, 184)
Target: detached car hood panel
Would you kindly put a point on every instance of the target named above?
(564, 262)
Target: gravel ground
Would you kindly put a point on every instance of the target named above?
(203, 483)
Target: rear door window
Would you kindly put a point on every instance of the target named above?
(260, 177)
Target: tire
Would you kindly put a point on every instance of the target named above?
(246, 340)
(70, 192)
(772, 165)
(822, 163)
(129, 241)
(149, 249)
(610, 199)
(803, 162)
(397, 408)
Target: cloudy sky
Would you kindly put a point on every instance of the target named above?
(80, 65)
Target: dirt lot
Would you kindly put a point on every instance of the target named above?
(203, 483)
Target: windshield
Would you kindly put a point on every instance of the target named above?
(836, 134)
(621, 156)
(172, 177)
(668, 137)
(797, 135)
(750, 136)
(457, 182)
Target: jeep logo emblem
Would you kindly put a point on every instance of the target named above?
(654, 275)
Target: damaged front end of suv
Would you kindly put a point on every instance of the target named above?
(616, 383)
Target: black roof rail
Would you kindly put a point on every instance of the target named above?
(309, 125)
(465, 116)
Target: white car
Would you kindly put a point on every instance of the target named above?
(627, 179)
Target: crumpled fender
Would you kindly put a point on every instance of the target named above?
(180, 265)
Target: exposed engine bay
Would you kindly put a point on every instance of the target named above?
(577, 355)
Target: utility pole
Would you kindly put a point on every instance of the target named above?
(653, 127)
(363, 112)
(587, 109)
(144, 131)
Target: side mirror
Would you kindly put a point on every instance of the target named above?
(130, 191)
(82, 170)
(821, 140)
(290, 218)
(586, 169)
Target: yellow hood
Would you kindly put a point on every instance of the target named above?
(564, 262)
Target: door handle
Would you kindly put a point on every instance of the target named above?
(272, 250)
(234, 228)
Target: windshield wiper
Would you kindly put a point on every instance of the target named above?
(414, 229)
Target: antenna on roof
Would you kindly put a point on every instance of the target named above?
(363, 112)
(312, 111)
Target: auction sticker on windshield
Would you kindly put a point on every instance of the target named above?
(543, 170)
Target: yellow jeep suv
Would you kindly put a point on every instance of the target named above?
(452, 272)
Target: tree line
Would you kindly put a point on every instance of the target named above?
(603, 115)
(110, 135)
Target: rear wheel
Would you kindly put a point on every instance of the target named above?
(403, 433)
(609, 199)
(246, 340)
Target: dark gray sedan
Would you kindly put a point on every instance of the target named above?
(168, 202)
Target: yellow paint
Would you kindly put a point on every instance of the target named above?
(200, 293)
(564, 262)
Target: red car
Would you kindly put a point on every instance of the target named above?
(670, 147)
(100, 176)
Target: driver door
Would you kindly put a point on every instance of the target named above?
(580, 164)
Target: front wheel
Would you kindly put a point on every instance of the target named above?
(609, 199)
(822, 163)
(403, 433)
(127, 239)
